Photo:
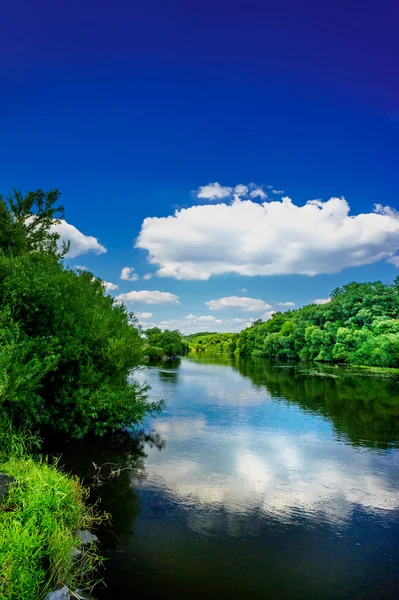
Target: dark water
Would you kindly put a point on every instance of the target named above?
(259, 482)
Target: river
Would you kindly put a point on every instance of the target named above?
(257, 482)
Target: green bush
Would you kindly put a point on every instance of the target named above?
(67, 350)
(359, 326)
(160, 344)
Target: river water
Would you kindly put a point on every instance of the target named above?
(257, 482)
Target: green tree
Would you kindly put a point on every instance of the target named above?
(27, 223)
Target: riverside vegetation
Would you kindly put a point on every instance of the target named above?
(163, 345)
(66, 353)
(358, 326)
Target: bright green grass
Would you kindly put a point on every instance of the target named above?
(37, 519)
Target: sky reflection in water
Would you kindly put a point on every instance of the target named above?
(231, 446)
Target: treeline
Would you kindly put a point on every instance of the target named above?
(214, 342)
(66, 348)
(165, 344)
(358, 326)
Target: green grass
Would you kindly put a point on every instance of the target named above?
(38, 517)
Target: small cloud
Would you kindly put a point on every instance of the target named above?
(243, 290)
(241, 189)
(149, 297)
(322, 301)
(238, 302)
(80, 268)
(213, 191)
(394, 260)
(110, 287)
(127, 274)
(285, 303)
(268, 315)
(143, 315)
(277, 191)
(147, 276)
(79, 242)
(257, 192)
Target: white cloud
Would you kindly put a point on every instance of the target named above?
(257, 192)
(110, 287)
(80, 268)
(213, 191)
(269, 238)
(322, 301)
(285, 303)
(204, 319)
(149, 297)
(147, 276)
(143, 315)
(241, 303)
(243, 290)
(241, 189)
(192, 324)
(127, 274)
(394, 260)
(79, 243)
(277, 191)
(268, 315)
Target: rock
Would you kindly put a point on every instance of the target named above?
(86, 537)
(5, 481)
(76, 554)
(62, 594)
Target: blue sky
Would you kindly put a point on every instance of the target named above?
(131, 108)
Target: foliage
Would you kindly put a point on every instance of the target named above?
(67, 350)
(215, 342)
(164, 344)
(359, 326)
(27, 222)
(192, 336)
(38, 517)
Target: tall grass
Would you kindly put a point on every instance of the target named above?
(38, 517)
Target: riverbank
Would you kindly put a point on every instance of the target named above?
(41, 511)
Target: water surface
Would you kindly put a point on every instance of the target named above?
(259, 482)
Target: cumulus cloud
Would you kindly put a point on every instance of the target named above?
(394, 260)
(143, 315)
(241, 189)
(285, 303)
(269, 238)
(238, 302)
(322, 301)
(110, 287)
(257, 192)
(149, 297)
(192, 323)
(147, 276)
(268, 315)
(79, 243)
(128, 274)
(203, 319)
(213, 191)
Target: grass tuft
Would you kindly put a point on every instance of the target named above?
(38, 517)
